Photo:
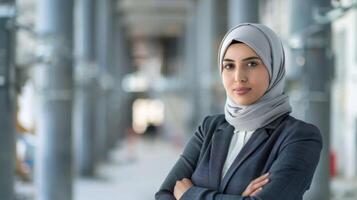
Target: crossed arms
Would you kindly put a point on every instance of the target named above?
(289, 176)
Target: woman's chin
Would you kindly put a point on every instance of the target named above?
(241, 101)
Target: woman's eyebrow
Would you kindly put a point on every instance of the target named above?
(228, 60)
(250, 58)
(244, 59)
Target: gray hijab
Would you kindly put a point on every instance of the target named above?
(274, 103)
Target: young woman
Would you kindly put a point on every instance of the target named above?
(255, 150)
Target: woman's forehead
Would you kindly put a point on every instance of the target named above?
(239, 50)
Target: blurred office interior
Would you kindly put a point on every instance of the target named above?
(99, 97)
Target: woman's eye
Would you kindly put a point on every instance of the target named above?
(252, 64)
(228, 66)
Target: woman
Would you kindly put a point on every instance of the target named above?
(256, 150)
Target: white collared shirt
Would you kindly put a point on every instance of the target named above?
(239, 139)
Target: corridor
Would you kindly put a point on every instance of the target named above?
(98, 97)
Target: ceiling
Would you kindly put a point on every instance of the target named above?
(154, 18)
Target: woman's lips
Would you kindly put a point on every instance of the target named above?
(241, 90)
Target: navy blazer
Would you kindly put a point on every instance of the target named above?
(287, 148)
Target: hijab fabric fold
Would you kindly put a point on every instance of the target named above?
(274, 103)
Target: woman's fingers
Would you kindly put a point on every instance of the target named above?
(252, 189)
(256, 185)
(181, 187)
(261, 178)
(256, 191)
(186, 180)
(259, 184)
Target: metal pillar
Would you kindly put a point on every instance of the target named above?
(104, 24)
(240, 11)
(126, 97)
(206, 37)
(84, 125)
(121, 67)
(220, 28)
(113, 71)
(191, 69)
(54, 174)
(201, 45)
(311, 51)
(205, 55)
(7, 100)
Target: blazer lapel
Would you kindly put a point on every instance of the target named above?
(220, 144)
(253, 143)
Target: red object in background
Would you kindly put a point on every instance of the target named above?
(333, 167)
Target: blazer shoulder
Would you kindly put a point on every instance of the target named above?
(297, 128)
(214, 120)
(210, 123)
(300, 124)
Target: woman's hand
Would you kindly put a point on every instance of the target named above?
(181, 187)
(256, 185)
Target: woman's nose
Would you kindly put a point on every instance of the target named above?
(240, 75)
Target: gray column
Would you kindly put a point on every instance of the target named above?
(209, 29)
(113, 71)
(220, 22)
(121, 66)
(240, 11)
(204, 56)
(7, 100)
(311, 52)
(104, 46)
(54, 174)
(191, 69)
(124, 65)
(84, 111)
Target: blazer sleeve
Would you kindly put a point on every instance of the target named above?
(185, 165)
(291, 173)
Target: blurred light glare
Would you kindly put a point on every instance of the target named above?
(135, 83)
(296, 42)
(145, 112)
(300, 60)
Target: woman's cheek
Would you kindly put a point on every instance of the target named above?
(225, 84)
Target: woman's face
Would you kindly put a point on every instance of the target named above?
(245, 77)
